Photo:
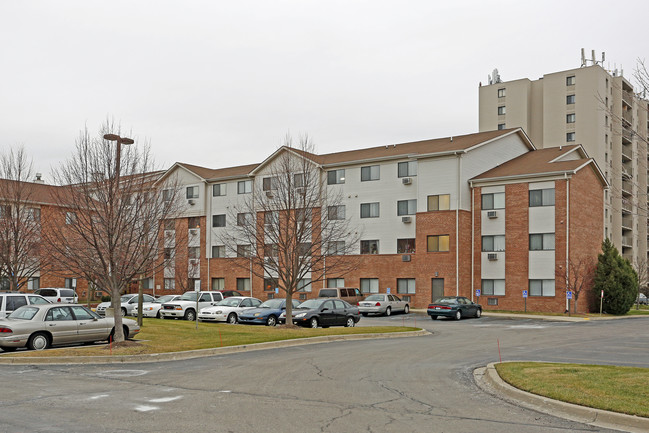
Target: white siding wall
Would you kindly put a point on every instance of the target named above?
(541, 220)
(224, 205)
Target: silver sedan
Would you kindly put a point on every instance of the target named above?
(382, 303)
(38, 327)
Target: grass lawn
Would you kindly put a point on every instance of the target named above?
(618, 389)
(158, 336)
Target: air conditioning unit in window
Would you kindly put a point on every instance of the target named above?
(492, 214)
(270, 194)
(300, 190)
(193, 232)
(406, 180)
(191, 202)
(406, 219)
(405, 258)
(492, 256)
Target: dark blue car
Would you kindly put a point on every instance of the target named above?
(267, 313)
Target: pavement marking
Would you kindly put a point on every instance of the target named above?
(97, 397)
(123, 373)
(225, 391)
(144, 408)
(165, 399)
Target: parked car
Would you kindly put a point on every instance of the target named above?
(324, 312)
(642, 299)
(127, 302)
(152, 309)
(62, 295)
(228, 310)
(267, 313)
(40, 326)
(455, 307)
(185, 307)
(383, 303)
(349, 294)
(10, 301)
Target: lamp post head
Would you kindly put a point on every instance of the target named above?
(111, 137)
(118, 139)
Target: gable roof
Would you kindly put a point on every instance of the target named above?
(34, 193)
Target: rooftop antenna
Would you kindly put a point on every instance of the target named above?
(494, 78)
(583, 58)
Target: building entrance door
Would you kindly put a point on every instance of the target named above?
(438, 288)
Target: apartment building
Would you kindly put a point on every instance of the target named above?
(437, 217)
(599, 110)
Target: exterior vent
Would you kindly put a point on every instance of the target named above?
(270, 194)
(492, 256)
(492, 214)
(406, 180)
(405, 258)
(302, 296)
(406, 219)
(191, 202)
(300, 190)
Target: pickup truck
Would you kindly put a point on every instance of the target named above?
(185, 306)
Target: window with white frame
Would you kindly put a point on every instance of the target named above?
(406, 286)
(335, 177)
(370, 210)
(370, 246)
(336, 248)
(218, 220)
(501, 93)
(147, 283)
(244, 187)
(219, 190)
(501, 126)
(218, 251)
(439, 202)
(370, 172)
(244, 250)
(243, 284)
(269, 183)
(298, 180)
(244, 218)
(336, 212)
(570, 136)
(271, 218)
(542, 197)
(370, 285)
(493, 243)
(406, 207)
(570, 81)
(70, 218)
(192, 192)
(407, 169)
(494, 200)
(304, 249)
(570, 118)
(167, 194)
(502, 110)
(34, 283)
(169, 284)
(541, 241)
(333, 283)
(493, 287)
(218, 283)
(193, 222)
(194, 252)
(570, 99)
(541, 288)
(304, 285)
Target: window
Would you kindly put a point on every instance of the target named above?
(244, 187)
(405, 285)
(298, 180)
(218, 190)
(270, 283)
(194, 252)
(438, 243)
(493, 287)
(439, 202)
(192, 192)
(167, 194)
(570, 118)
(370, 210)
(147, 283)
(168, 253)
(335, 176)
(218, 251)
(406, 246)
(406, 207)
(270, 250)
(34, 283)
(541, 287)
(269, 183)
(335, 282)
(501, 110)
(370, 285)
(370, 247)
(244, 219)
(218, 283)
(218, 220)
(336, 212)
(493, 201)
(570, 136)
(34, 214)
(271, 218)
(570, 99)
(541, 241)
(493, 243)
(169, 283)
(70, 218)
(193, 222)
(570, 81)
(501, 93)
(542, 197)
(304, 249)
(336, 248)
(501, 126)
(407, 169)
(304, 285)
(170, 225)
(371, 172)
(243, 284)
(70, 283)
(244, 250)
(303, 215)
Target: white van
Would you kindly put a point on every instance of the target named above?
(58, 295)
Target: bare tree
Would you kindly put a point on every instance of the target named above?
(578, 277)
(293, 226)
(110, 227)
(20, 222)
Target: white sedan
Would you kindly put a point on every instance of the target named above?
(382, 303)
(152, 309)
(228, 309)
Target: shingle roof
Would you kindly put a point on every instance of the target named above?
(37, 193)
(211, 173)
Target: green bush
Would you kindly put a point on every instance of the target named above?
(105, 298)
(617, 278)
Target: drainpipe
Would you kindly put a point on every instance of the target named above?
(208, 235)
(472, 239)
(567, 229)
(457, 225)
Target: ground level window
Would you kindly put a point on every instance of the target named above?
(406, 285)
(243, 284)
(541, 287)
(335, 282)
(270, 284)
(169, 284)
(370, 285)
(493, 287)
(218, 283)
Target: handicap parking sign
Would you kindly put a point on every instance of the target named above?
(524, 293)
(477, 292)
(568, 294)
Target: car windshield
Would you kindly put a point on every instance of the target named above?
(188, 296)
(374, 298)
(24, 313)
(163, 299)
(311, 303)
(446, 301)
(125, 298)
(229, 302)
(272, 303)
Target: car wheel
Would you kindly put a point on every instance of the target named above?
(38, 341)
(125, 329)
(478, 313)
(350, 323)
(458, 315)
(271, 321)
(157, 315)
(388, 311)
(313, 322)
(364, 314)
(232, 319)
(190, 315)
(123, 312)
(8, 349)
(433, 317)
(406, 310)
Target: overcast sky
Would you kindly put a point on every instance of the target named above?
(218, 83)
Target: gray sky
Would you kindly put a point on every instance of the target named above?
(218, 83)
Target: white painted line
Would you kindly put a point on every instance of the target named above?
(97, 397)
(146, 408)
(165, 399)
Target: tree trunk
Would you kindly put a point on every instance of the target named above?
(118, 336)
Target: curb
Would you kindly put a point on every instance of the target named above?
(175, 356)
(488, 380)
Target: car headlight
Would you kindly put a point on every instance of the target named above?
(257, 314)
(297, 316)
(218, 312)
